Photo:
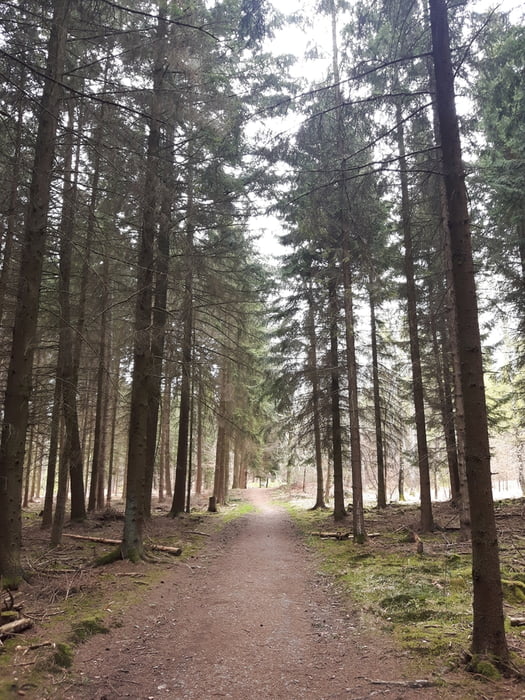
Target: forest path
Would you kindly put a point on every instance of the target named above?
(249, 618)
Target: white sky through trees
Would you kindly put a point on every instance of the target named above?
(311, 32)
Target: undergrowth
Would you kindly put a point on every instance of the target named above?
(423, 600)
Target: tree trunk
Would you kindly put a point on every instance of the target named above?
(426, 521)
(96, 490)
(133, 539)
(488, 634)
(114, 412)
(13, 201)
(313, 374)
(181, 468)
(337, 448)
(200, 402)
(56, 413)
(358, 513)
(67, 374)
(380, 457)
(160, 318)
(18, 387)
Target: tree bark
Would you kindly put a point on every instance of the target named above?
(358, 513)
(426, 520)
(181, 468)
(18, 387)
(380, 456)
(133, 539)
(67, 374)
(337, 447)
(313, 374)
(488, 633)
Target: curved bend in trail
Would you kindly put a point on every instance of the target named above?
(250, 620)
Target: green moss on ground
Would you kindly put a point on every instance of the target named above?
(425, 601)
(86, 628)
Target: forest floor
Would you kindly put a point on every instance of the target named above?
(248, 612)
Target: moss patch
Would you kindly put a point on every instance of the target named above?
(63, 655)
(84, 629)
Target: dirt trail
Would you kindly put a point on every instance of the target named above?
(251, 618)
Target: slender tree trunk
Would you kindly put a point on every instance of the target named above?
(96, 490)
(114, 412)
(28, 465)
(61, 498)
(380, 457)
(47, 513)
(337, 438)
(18, 387)
(181, 468)
(67, 372)
(200, 402)
(358, 513)
(488, 633)
(313, 374)
(426, 522)
(442, 374)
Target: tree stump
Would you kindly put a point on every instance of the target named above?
(212, 505)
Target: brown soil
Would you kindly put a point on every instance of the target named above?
(250, 615)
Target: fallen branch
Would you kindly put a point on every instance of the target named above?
(517, 621)
(16, 626)
(421, 683)
(104, 540)
(35, 646)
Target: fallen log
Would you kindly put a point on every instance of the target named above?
(104, 540)
(517, 621)
(16, 626)
(88, 538)
(341, 535)
(333, 535)
(176, 551)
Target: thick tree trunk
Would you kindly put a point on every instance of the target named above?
(18, 387)
(488, 634)
(160, 317)
(132, 540)
(426, 520)
(13, 201)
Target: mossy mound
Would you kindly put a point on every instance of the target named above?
(84, 629)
